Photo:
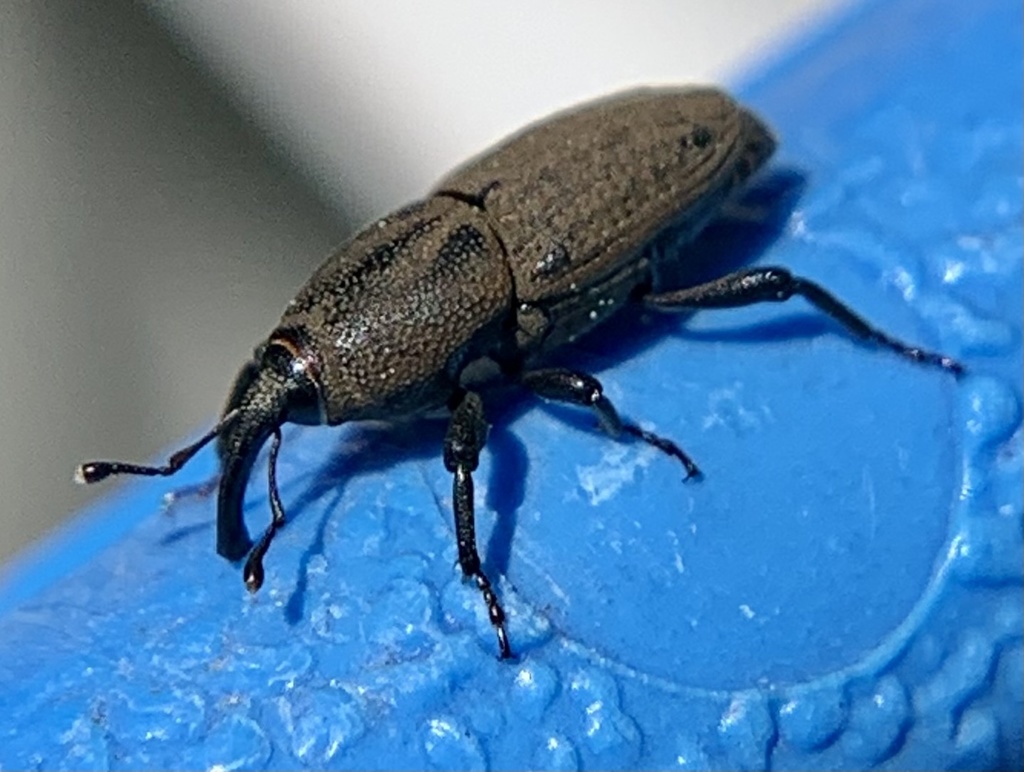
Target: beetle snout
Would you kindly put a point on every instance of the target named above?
(261, 408)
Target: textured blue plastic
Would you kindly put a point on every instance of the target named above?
(843, 591)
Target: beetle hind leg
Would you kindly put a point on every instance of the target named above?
(576, 388)
(463, 442)
(775, 284)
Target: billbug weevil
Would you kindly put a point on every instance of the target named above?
(516, 254)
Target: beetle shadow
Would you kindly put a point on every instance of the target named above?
(506, 485)
(366, 449)
(745, 230)
(374, 448)
(183, 532)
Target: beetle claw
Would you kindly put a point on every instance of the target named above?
(253, 573)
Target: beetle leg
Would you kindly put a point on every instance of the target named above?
(775, 284)
(576, 388)
(201, 490)
(253, 571)
(466, 435)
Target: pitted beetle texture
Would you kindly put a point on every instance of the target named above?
(517, 253)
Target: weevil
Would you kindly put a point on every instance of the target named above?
(514, 255)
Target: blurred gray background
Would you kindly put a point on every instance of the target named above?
(171, 172)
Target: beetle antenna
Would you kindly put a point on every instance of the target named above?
(94, 471)
(253, 573)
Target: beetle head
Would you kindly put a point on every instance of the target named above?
(279, 385)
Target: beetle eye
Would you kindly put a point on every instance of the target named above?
(287, 366)
(303, 404)
(279, 360)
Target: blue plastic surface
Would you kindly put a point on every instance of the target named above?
(843, 591)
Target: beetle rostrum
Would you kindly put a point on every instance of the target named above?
(514, 255)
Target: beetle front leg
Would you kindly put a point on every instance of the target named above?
(253, 572)
(463, 442)
(775, 284)
(576, 388)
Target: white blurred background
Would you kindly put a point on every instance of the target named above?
(171, 172)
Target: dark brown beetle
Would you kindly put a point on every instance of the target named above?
(519, 252)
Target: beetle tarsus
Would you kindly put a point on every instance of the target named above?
(495, 613)
(253, 574)
(576, 388)
(777, 284)
(668, 447)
